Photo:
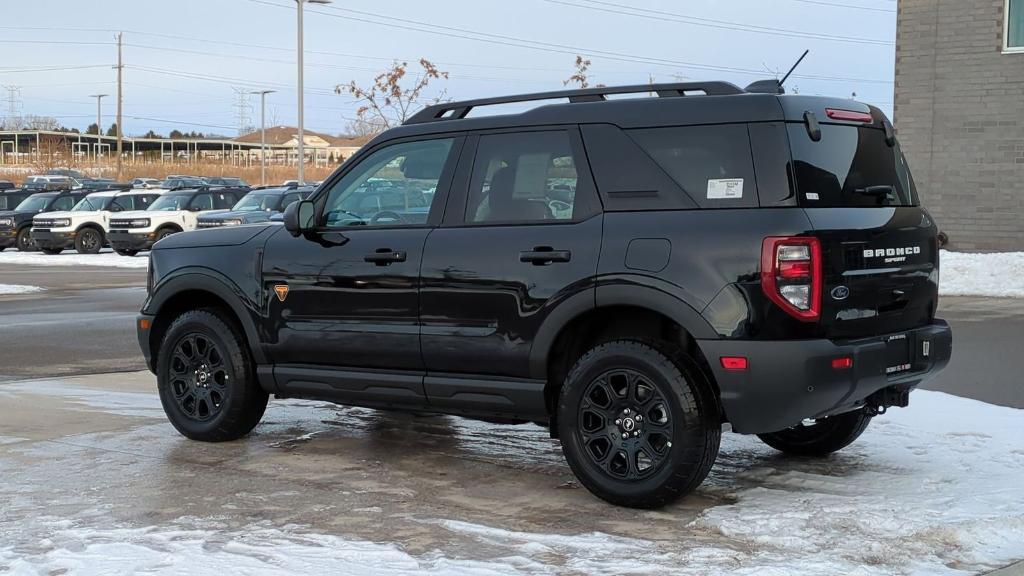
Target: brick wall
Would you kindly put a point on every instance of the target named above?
(959, 113)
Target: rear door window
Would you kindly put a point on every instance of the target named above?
(850, 166)
(524, 177)
(712, 164)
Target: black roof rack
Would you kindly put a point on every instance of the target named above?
(456, 110)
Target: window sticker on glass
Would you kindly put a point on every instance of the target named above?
(811, 195)
(725, 188)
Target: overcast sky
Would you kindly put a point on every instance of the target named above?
(185, 58)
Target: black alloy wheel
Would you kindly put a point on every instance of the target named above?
(24, 240)
(625, 425)
(199, 377)
(88, 241)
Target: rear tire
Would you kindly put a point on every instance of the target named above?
(88, 241)
(661, 402)
(206, 379)
(126, 252)
(24, 240)
(52, 251)
(825, 436)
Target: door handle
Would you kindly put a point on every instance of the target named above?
(544, 255)
(385, 257)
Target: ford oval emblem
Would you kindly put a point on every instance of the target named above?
(840, 293)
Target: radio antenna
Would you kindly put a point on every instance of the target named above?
(798, 61)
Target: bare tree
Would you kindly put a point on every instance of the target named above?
(580, 76)
(389, 101)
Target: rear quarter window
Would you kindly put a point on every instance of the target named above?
(850, 166)
(712, 164)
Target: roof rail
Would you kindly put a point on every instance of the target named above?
(456, 110)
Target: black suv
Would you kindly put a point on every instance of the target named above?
(16, 224)
(632, 273)
(257, 206)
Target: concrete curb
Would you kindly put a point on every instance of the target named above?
(1015, 569)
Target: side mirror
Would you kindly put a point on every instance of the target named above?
(299, 217)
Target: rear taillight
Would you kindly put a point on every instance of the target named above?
(791, 275)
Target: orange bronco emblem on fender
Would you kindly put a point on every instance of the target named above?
(281, 290)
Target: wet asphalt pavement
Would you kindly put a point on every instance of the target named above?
(94, 480)
(83, 323)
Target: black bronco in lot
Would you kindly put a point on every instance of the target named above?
(16, 223)
(631, 273)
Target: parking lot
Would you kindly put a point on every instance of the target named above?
(94, 475)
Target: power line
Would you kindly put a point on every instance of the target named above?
(55, 68)
(549, 46)
(838, 5)
(613, 8)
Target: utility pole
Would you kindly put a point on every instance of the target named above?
(120, 100)
(263, 134)
(99, 123)
(302, 142)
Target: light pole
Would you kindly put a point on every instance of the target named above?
(99, 123)
(302, 142)
(263, 134)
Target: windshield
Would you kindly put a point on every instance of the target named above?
(850, 166)
(34, 204)
(251, 202)
(88, 204)
(171, 202)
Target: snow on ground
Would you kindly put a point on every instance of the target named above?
(18, 289)
(932, 489)
(72, 258)
(999, 274)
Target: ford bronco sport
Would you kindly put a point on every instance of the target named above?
(631, 273)
(175, 211)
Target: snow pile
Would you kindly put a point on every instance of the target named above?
(255, 552)
(999, 274)
(18, 289)
(72, 258)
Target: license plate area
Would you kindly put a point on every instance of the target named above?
(897, 354)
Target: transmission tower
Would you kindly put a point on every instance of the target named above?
(13, 101)
(243, 111)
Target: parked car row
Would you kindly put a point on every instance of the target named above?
(129, 220)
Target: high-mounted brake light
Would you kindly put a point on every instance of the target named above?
(791, 275)
(848, 115)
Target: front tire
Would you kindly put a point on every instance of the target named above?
(125, 252)
(24, 240)
(825, 436)
(206, 379)
(88, 241)
(639, 424)
(164, 234)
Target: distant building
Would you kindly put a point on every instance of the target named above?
(959, 112)
(285, 140)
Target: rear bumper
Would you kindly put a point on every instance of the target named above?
(788, 381)
(49, 239)
(124, 240)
